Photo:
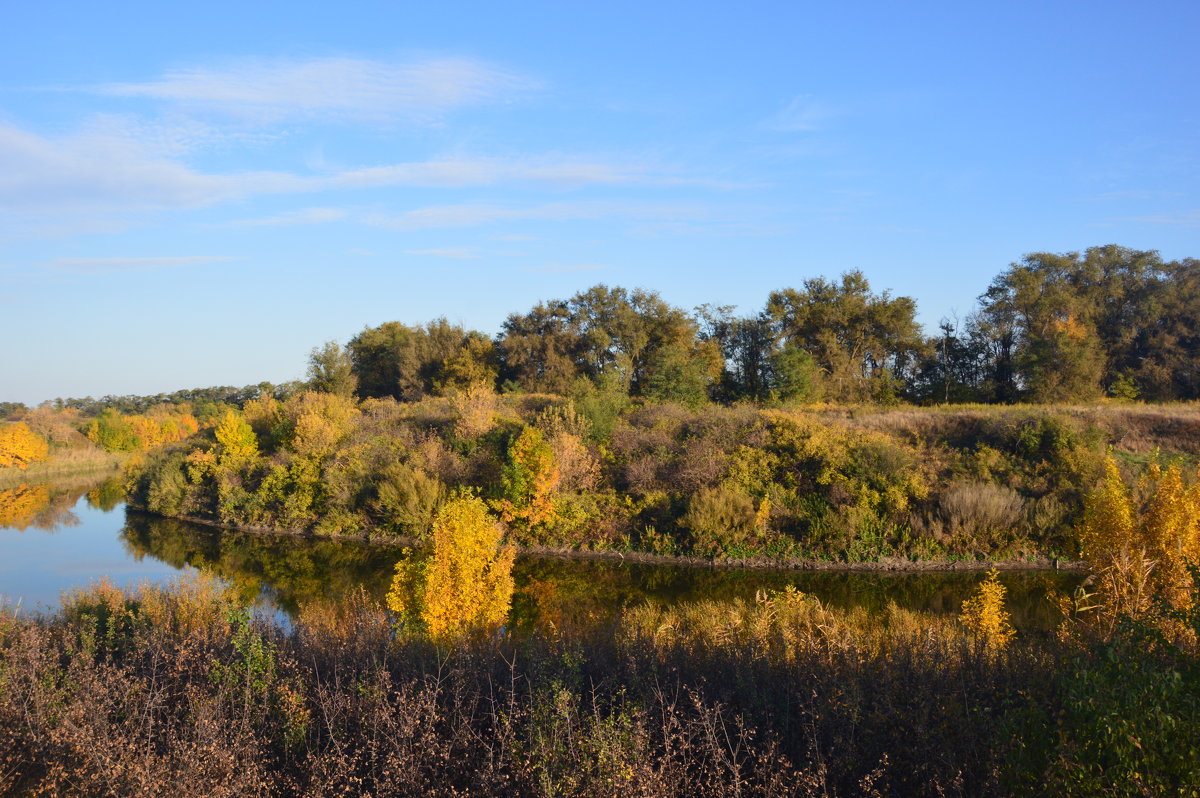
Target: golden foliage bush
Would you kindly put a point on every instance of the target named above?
(20, 446)
(235, 437)
(314, 422)
(465, 584)
(985, 616)
(531, 480)
(474, 410)
(1139, 551)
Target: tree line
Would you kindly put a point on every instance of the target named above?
(1049, 328)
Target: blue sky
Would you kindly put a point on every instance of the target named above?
(197, 195)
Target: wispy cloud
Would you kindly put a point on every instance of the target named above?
(106, 171)
(123, 264)
(475, 215)
(454, 253)
(349, 88)
(567, 268)
(804, 113)
(300, 217)
(112, 174)
(554, 172)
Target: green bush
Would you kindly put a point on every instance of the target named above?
(406, 499)
(720, 520)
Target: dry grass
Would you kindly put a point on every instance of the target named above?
(176, 692)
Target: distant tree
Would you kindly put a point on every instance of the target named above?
(794, 375)
(113, 433)
(856, 337)
(677, 375)
(408, 363)
(1064, 327)
(330, 370)
(746, 346)
(474, 363)
(607, 335)
(9, 409)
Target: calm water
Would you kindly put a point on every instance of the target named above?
(59, 536)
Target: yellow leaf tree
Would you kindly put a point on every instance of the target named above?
(20, 446)
(465, 583)
(1139, 552)
(236, 438)
(984, 614)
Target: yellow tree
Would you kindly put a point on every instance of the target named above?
(1140, 552)
(235, 436)
(315, 422)
(465, 583)
(20, 446)
(984, 614)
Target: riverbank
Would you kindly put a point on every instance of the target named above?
(69, 465)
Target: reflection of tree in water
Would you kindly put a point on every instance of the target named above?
(108, 494)
(291, 571)
(566, 595)
(46, 506)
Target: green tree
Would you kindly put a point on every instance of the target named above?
(408, 363)
(855, 336)
(608, 335)
(331, 370)
(795, 376)
(112, 433)
(677, 375)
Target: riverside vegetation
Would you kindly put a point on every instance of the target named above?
(615, 421)
(180, 690)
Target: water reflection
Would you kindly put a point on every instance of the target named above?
(555, 592)
(91, 536)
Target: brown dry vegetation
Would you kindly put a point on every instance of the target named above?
(178, 692)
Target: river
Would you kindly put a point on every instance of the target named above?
(63, 535)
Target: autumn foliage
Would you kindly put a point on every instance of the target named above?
(531, 479)
(21, 506)
(20, 446)
(1139, 541)
(465, 583)
(985, 617)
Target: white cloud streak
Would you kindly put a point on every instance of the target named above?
(453, 253)
(261, 91)
(475, 215)
(124, 264)
(291, 218)
(105, 173)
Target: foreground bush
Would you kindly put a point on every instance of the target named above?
(179, 692)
